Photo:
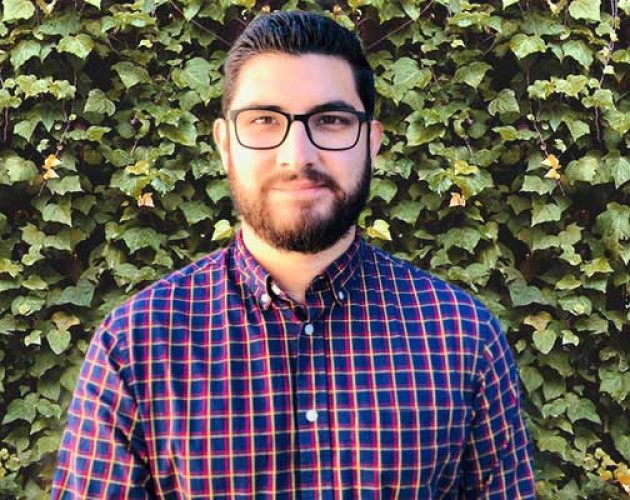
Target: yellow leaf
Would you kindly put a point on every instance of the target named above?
(146, 200)
(457, 200)
(379, 230)
(50, 162)
(539, 321)
(552, 174)
(63, 321)
(552, 161)
(50, 174)
(606, 475)
(464, 168)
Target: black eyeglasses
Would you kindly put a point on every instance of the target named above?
(331, 130)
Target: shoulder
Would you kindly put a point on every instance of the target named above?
(436, 298)
(168, 293)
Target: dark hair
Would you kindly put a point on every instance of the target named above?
(298, 32)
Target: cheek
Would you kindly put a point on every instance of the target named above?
(250, 169)
(347, 168)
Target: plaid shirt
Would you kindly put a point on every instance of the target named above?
(212, 383)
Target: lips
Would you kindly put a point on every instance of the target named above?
(297, 186)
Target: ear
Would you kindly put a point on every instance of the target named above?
(376, 139)
(221, 134)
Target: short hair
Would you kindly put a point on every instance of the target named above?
(296, 33)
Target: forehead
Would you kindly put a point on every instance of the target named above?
(295, 82)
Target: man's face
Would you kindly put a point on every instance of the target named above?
(295, 196)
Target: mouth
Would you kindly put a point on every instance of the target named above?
(299, 187)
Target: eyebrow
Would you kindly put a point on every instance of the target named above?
(338, 105)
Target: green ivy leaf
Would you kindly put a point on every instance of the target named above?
(534, 184)
(62, 89)
(97, 102)
(571, 86)
(581, 408)
(17, 169)
(577, 128)
(544, 340)
(579, 51)
(524, 45)
(461, 237)
(418, 133)
(15, 10)
(25, 306)
(58, 340)
(63, 185)
(131, 74)
(407, 75)
(80, 295)
(584, 170)
(598, 265)
(615, 383)
(141, 237)
(614, 224)
(384, 189)
(618, 167)
(196, 211)
(24, 51)
(58, 212)
(472, 74)
(25, 128)
(185, 133)
(22, 409)
(588, 10)
(407, 211)
(576, 305)
(505, 102)
(568, 282)
(545, 212)
(601, 98)
(522, 294)
(80, 45)
(531, 377)
(618, 121)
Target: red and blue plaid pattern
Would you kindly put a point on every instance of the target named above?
(212, 383)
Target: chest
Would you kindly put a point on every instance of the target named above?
(328, 403)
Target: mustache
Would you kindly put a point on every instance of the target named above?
(311, 175)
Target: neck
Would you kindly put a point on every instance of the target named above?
(293, 272)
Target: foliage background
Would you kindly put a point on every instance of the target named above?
(505, 170)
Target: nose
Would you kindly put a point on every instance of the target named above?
(297, 151)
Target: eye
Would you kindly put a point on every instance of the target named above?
(264, 120)
(333, 119)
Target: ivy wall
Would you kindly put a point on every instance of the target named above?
(506, 170)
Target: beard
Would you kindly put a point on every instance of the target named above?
(309, 231)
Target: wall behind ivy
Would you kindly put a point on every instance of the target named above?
(506, 170)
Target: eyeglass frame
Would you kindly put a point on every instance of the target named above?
(301, 117)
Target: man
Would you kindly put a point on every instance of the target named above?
(299, 362)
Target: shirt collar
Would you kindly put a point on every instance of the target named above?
(260, 283)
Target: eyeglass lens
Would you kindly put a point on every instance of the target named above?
(261, 128)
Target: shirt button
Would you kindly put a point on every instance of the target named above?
(311, 416)
(341, 295)
(265, 300)
(309, 329)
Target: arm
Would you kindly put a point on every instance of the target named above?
(497, 463)
(102, 452)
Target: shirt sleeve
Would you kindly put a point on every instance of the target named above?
(497, 462)
(102, 453)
